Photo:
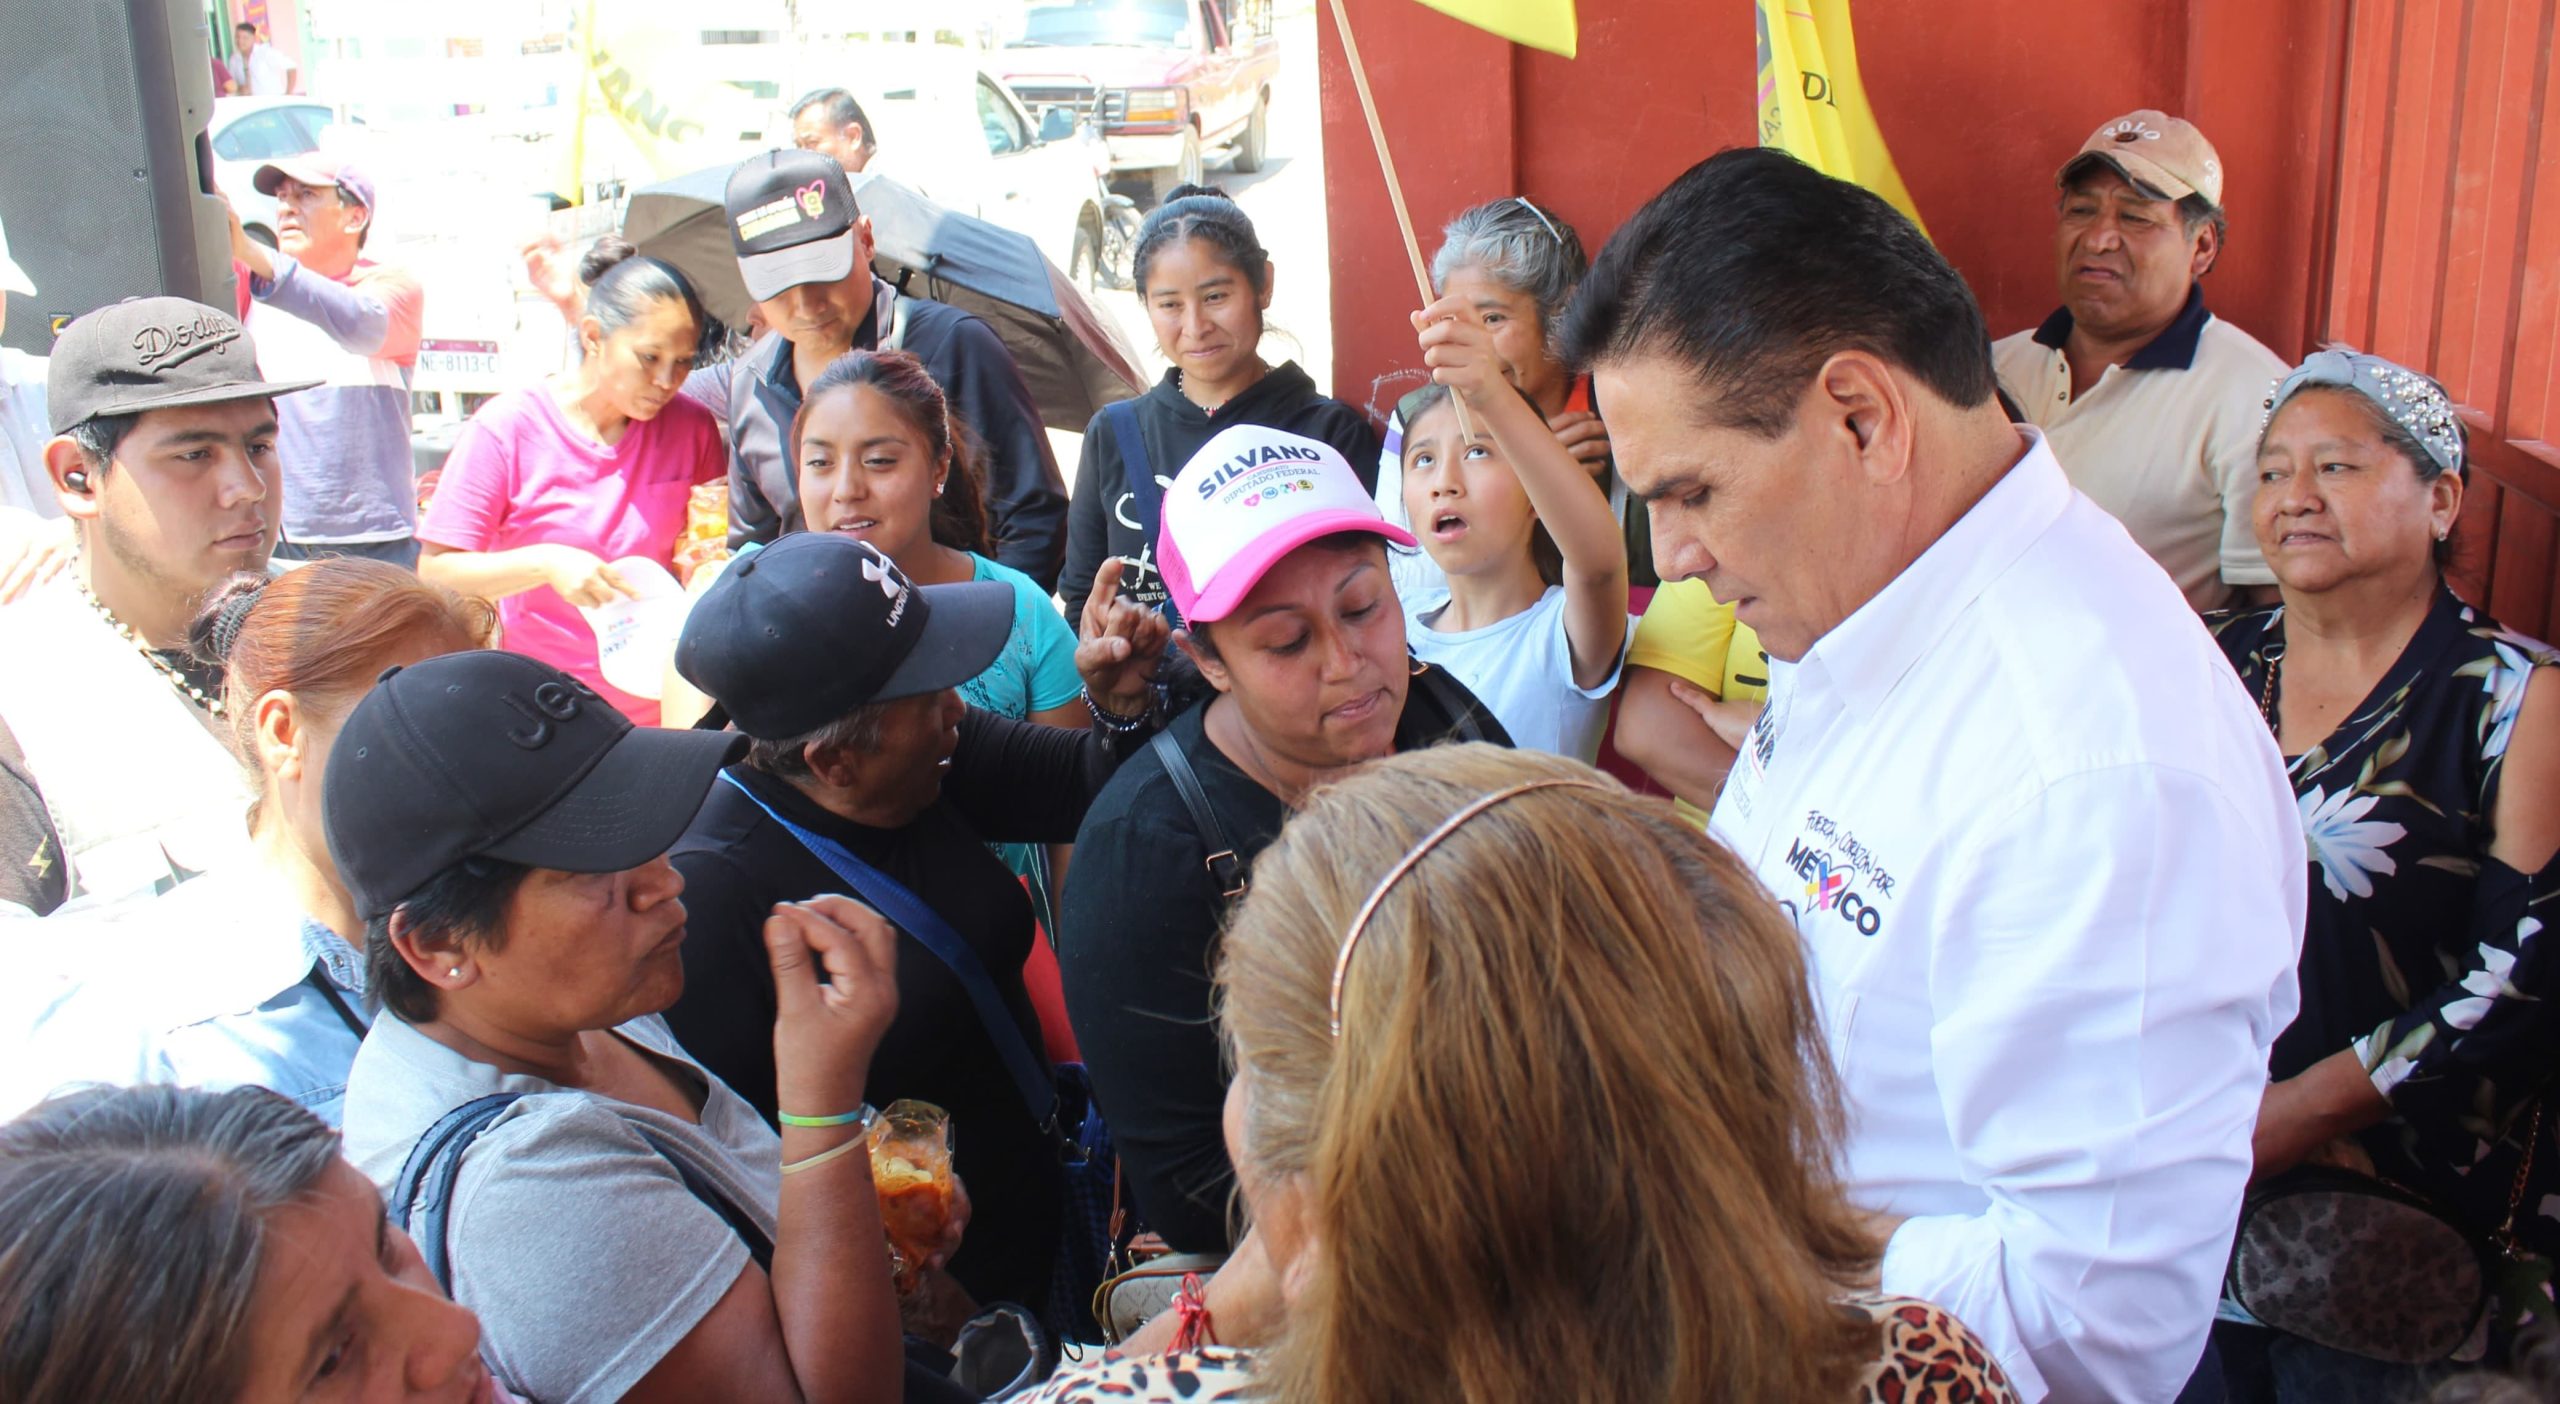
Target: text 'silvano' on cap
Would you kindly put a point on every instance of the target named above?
(148, 353)
(495, 755)
(791, 217)
(799, 633)
(1249, 497)
(2164, 155)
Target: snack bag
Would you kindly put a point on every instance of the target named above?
(911, 1171)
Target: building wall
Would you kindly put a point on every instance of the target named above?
(2380, 158)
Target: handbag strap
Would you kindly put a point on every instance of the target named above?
(1031, 1074)
(1138, 469)
(422, 1194)
(1225, 868)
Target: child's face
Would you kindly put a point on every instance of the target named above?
(1465, 503)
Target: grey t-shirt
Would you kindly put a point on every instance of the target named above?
(575, 1240)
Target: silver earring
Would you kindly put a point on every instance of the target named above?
(453, 972)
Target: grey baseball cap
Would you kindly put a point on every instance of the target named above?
(148, 353)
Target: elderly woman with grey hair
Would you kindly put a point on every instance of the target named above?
(2423, 742)
(1515, 264)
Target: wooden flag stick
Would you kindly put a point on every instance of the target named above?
(1395, 187)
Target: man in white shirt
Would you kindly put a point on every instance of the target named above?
(164, 455)
(2039, 845)
(35, 541)
(2151, 402)
(270, 72)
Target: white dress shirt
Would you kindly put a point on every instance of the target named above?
(2050, 880)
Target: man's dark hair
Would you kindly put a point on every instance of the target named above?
(465, 903)
(841, 111)
(1754, 268)
(244, 27)
(788, 759)
(2194, 212)
(99, 436)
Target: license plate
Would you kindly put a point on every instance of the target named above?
(458, 358)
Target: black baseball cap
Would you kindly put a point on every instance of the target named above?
(148, 353)
(496, 755)
(800, 633)
(791, 217)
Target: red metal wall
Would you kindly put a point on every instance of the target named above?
(2380, 161)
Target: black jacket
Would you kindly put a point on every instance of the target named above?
(1141, 917)
(1101, 523)
(1009, 781)
(756, 395)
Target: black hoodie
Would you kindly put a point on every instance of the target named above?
(1101, 520)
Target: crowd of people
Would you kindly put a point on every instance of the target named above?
(2064, 919)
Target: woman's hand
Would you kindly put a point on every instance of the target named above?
(2332, 1098)
(583, 578)
(1460, 352)
(826, 1029)
(554, 274)
(1583, 436)
(1119, 644)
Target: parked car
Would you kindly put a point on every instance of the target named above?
(955, 132)
(1166, 80)
(248, 132)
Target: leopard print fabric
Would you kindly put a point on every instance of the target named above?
(1927, 1357)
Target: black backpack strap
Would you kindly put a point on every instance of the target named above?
(1225, 868)
(421, 1200)
(424, 1187)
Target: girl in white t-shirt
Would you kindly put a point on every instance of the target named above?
(1534, 620)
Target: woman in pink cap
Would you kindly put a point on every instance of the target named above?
(1276, 556)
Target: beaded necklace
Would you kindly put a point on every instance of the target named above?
(206, 693)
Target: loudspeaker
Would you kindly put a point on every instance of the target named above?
(105, 165)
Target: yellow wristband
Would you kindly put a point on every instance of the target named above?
(794, 1167)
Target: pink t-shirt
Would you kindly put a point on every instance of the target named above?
(521, 475)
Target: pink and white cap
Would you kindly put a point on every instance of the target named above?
(1249, 497)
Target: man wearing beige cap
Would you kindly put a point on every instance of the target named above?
(2151, 402)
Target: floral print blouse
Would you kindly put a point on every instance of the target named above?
(2420, 951)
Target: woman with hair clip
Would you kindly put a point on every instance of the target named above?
(286, 1003)
(1530, 1104)
(1205, 280)
(550, 485)
(185, 1246)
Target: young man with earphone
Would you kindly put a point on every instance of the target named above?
(163, 457)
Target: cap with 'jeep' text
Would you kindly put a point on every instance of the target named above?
(791, 217)
(495, 755)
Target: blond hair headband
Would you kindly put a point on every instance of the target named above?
(1404, 865)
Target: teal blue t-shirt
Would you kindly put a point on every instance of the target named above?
(1037, 669)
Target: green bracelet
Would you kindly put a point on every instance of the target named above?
(860, 1116)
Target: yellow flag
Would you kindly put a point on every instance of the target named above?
(644, 109)
(1540, 24)
(1812, 104)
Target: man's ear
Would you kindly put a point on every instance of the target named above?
(862, 243)
(359, 218)
(2208, 250)
(76, 484)
(1857, 391)
(830, 763)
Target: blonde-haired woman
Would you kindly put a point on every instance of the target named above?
(1530, 1104)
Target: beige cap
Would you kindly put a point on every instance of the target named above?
(2154, 150)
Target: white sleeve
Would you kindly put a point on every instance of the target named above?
(2100, 1038)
